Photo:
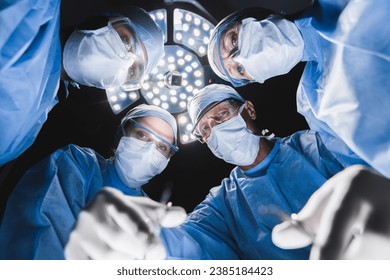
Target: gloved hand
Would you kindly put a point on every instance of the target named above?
(116, 226)
(347, 218)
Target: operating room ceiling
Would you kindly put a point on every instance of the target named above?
(88, 117)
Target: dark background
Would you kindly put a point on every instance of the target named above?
(85, 118)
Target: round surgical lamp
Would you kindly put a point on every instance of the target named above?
(181, 72)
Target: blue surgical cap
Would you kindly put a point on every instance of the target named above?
(149, 34)
(145, 110)
(208, 95)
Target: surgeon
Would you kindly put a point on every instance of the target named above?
(343, 91)
(235, 220)
(45, 203)
(347, 218)
(118, 54)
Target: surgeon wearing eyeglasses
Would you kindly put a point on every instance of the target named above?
(272, 176)
(343, 91)
(119, 53)
(44, 205)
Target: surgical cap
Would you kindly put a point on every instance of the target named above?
(149, 34)
(145, 110)
(207, 96)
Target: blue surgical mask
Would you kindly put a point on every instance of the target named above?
(137, 161)
(269, 48)
(233, 142)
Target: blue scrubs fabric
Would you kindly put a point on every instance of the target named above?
(43, 208)
(344, 90)
(236, 219)
(30, 67)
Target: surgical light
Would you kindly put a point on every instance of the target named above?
(119, 99)
(179, 74)
(168, 79)
(160, 17)
(184, 21)
(185, 128)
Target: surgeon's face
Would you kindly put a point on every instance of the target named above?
(128, 39)
(158, 126)
(220, 113)
(107, 57)
(229, 48)
(134, 46)
(155, 130)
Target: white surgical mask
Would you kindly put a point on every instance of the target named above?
(233, 142)
(269, 48)
(137, 161)
(97, 58)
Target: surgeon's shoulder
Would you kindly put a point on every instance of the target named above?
(76, 154)
(227, 184)
(213, 202)
(302, 136)
(304, 133)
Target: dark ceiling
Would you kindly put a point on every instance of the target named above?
(86, 119)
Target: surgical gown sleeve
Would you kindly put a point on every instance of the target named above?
(344, 91)
(30, 67)
(205, 235)
(218, 230)
(45, 203)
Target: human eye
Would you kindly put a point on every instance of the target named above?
(142, 135)
(162, 147)
(241, 69)
(234, 40)
(127, 42)
(131, 71)
(204, 130)
(222, 115)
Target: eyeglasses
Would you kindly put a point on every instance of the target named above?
(140, 132)
(228, 69)
(129, 47)
(224, 111)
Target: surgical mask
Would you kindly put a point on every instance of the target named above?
(269, 47)
(233, 142)
(137, 161)
(108, 57)
(89, 58)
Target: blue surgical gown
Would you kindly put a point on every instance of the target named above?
(44, 205)
(30, 67)
(232, 222)
(344, 91)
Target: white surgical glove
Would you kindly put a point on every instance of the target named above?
(116, 226)
(347, 218)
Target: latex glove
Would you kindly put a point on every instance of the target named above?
(116, 226)
(347, 218)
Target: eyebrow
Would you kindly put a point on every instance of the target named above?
(233, 51)
(159, 133)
